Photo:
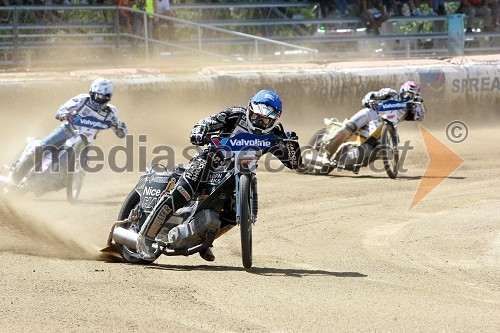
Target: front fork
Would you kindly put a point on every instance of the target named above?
(254, 202)
(252, 197)
(395, 134)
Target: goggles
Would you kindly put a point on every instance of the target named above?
(255, 117)
(100, 98)
(264, 110)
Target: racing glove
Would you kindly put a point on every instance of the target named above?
(367, 100)
(121, 129)
(291, 135)
(62, 116)
(417, 100)
(121, 125)
(198, 135)
(293, 153)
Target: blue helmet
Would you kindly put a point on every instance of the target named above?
(263, 112)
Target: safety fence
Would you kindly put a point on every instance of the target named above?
(51, 35)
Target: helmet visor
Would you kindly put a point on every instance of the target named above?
(408, 95)
(100, 98)
(264, 110)
(258, 118)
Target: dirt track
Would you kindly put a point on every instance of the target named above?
(337, 253)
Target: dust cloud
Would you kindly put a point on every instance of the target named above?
(343, 246)
(50, 227)
(24, 232)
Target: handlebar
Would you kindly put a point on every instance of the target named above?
(229, 135)
(389, 104)
(91, 122)
(243, 141)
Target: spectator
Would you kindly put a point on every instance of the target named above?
(473, 9)
(4, 14)
(494, 6)
(124, 15)
(341, 6)
(324, 8)
(401, 7)
(373, 12)
(417, 11)
(138, 18)
(163, 8)
(436, 7)
(407, 7)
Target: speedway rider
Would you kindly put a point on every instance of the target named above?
(259, 118)
(92, 109)
(414, 109)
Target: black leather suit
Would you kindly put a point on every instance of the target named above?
(227, 123)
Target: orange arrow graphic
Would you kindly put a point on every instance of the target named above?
(442, 162)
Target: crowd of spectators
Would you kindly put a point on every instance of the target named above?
(131, 22)
(488, 10)
(373, 12)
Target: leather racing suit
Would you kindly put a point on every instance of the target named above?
(227, 123)
(93, 118)
(362, 118)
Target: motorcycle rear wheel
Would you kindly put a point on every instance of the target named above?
(314, 146)
(14, 167)
(245, 221)
(390, 152)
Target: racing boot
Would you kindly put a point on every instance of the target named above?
(162, 211)
(334, 144)
(207, 254)
(326, 159)
(338, 138)
(167, 204)
(145, 248)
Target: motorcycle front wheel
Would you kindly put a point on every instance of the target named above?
(390, 152)
(245, 221)
(74, 179)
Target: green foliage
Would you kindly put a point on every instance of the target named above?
(427, 26)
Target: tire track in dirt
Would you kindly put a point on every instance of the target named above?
(24, 233)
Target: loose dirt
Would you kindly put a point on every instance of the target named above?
(342, 252)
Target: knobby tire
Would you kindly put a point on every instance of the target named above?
(245, 222)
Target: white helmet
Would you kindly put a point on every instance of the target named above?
(101, 91)
(409, 90)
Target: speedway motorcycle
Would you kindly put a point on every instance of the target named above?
(378, 140)
(228, 199)
(55, 169)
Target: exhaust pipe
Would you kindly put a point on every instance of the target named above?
(128, 238)
(125, 237)
(311, 158)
